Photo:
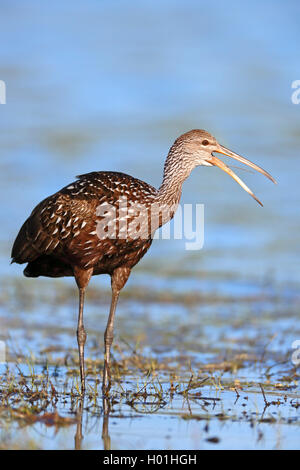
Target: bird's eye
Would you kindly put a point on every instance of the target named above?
(205, 142)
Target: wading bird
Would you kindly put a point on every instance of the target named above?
(61, 237)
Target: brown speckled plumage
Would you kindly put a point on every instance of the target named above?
(61, 231)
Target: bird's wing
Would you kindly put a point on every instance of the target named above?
(62, 225)
(67, 225)
(33, 238)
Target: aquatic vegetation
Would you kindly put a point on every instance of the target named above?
(202, 364)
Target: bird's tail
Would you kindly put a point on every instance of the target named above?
(23, 250)
(49, 267)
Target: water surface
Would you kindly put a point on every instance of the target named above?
(101, 86)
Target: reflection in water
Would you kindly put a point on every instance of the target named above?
(105, 430)
(78, 436)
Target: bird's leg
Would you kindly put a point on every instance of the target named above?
(82, 279)
(118, 280)
(81, 338)
(108, 339)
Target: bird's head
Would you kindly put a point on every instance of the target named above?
(197, 147)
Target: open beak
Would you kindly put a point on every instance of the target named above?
(217, 162)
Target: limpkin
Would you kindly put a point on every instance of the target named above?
(61, 237)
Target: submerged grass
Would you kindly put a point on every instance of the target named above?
(178, 358)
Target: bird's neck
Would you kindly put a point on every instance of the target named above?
(170, 191)
(175, 173)
(166, 203)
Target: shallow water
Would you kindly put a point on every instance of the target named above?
(218, 420)
(109, 87)
(187, 372)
